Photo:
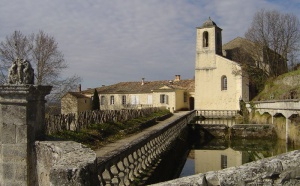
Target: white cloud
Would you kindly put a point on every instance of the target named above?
(107, 41)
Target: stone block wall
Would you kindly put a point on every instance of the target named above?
(65, 163)
(252, 131)
(21, 123)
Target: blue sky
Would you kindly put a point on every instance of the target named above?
(109, 41)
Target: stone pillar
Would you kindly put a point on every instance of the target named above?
(22, 113)
(287, 129)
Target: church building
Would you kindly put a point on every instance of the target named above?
(220, 83)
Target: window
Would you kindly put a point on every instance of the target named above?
(185, 97)
(112, 100)
(102, 102)
(205, 39)
(149, 101)
(123, 100)
(134, 99)
(223, 161)
(223, 83)
(164, 98)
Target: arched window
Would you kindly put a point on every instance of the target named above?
(205, 39)
(223, 83)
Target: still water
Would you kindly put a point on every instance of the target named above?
(235, 153)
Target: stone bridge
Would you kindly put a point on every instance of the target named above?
(287, 108)
(122, 162)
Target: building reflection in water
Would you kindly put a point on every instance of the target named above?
(213, 160)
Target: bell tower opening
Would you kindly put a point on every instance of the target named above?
(205, 39)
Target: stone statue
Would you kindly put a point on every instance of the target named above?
(21, 72)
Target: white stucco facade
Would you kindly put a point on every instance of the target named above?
(219, 82)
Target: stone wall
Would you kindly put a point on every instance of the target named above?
(21, 123)
(278, 170)
(238, 131)
(251, 131)
(65, 163)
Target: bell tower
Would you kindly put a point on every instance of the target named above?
(209, 43)
(208, 47)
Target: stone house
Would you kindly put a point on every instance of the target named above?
(75, 102)
(174, 95)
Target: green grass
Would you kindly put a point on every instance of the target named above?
(282, 87)
(98, 135)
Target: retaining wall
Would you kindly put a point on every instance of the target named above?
(238, 131)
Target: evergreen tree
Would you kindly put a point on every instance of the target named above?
(95, 101)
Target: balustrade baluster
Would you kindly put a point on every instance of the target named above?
(126, 164)
(131, 167)
(136, 165)
(144, 158)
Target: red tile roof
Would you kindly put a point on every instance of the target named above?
(149, 86)
(77, 95)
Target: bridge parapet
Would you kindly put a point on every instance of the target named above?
(123, 165)
(285, 107)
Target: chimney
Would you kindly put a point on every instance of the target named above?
(79, 88)
(177, 78)
(143, 81)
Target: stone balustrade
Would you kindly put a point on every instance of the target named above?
(127, 163)
(217, 113)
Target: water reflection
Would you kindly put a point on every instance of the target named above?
(205, 159)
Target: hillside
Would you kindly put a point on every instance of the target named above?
(285, 86)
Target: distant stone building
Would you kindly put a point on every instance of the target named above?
(75, 102)
(174, 95)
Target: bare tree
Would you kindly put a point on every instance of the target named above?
(276, 37)
(47, 60)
